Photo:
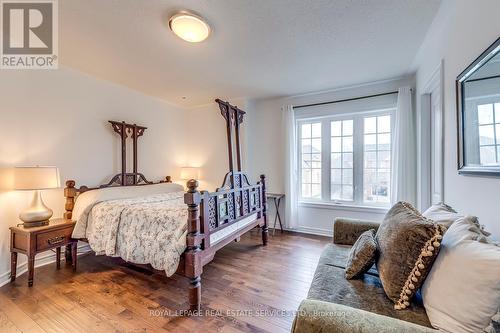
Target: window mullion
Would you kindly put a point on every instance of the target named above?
(325, 159)
(358, 159)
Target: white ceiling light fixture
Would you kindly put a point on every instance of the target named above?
(190, 27)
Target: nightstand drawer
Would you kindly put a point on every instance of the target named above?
(54, 238)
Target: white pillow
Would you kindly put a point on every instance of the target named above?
(442, 213)
(462, 291)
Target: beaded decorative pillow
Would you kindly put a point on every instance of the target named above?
(362, 255)
(408, 244)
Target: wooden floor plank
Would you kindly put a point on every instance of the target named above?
(247, 288)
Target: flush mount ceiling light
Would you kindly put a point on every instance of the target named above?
(190, 27)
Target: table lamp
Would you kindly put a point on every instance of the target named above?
(188, 173)
(36, 179)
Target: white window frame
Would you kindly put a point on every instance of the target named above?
(358, 158)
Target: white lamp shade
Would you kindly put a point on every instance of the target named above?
(6, 179)
(188, 173)
(36, 178)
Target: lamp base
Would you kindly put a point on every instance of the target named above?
(34, 224)
(37, 214)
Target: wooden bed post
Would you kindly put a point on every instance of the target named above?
(70, 195)
(265, 230)
(193, 268)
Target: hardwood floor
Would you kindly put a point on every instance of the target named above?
(247, 288)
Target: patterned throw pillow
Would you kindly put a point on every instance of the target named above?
(362, 255)
(408, 244)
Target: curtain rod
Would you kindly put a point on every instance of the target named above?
(344, 100)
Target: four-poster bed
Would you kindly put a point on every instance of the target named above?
(213, 219)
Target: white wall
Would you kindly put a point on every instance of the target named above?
(60, 118)
(461, 31)
(266, 149)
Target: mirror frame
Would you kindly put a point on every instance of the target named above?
(489, 53)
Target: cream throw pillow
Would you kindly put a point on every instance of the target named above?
(462, 291)
(442, 213)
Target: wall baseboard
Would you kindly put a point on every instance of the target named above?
(47, 258)
(308, 230)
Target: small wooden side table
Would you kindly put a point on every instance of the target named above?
(31, 241)
(277, 200)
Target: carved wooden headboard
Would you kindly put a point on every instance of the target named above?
(123, 178)
(234, 118)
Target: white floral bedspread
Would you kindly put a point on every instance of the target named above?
(145, 230)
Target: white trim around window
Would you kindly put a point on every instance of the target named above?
(331, 155)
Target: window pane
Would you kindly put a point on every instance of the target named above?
(384, 142)
(316, 176)
(486, 135)
(497, 113)
(316, 145)
(347, 160)
(336, 128)
(310, 173)
(383, 177)
(371, 142)
(306, 160)
(306, 131)
(306, 146)
(485, 114)
(347, 177)
(306, 190)
(498, 132)
(371, 159)
(347, 127)
(342, 160)
(347, 144)
(384, 159)
(377, 159)
(336, 192)
(306, 176)
(347, 193)
(316, 191)
(370, 125)
(336, 176)
(336, 161)
(487, 155)
(316, 161)
(370, 176)
(316, 130)
(336, 145)
(384, 124)
(370, 190)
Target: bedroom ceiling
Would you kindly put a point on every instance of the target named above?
(258, 48)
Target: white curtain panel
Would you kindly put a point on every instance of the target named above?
(403, 175)
(290, 167)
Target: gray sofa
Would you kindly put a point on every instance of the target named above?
(335, 304)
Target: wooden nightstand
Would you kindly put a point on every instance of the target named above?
(31, 241)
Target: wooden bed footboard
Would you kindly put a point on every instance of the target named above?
(218, 218)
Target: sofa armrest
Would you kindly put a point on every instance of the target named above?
(318, 316)
(346, 231)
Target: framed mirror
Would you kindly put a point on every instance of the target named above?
(478, 107)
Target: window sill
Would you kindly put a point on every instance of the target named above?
(347, 207)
